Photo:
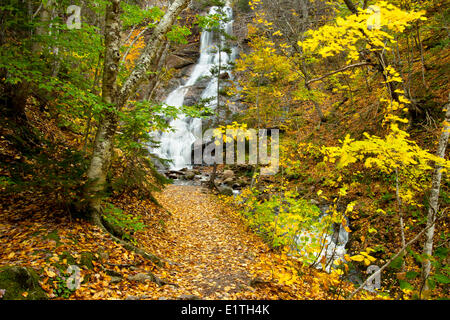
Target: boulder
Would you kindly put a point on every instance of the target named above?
(190, 175)
(227, 191)
(20, 283)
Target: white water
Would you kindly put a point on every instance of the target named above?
(334, 249)
(176, 145)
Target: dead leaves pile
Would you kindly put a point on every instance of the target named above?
(207, 250)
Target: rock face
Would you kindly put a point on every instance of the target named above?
(185, 55)
(15, 281)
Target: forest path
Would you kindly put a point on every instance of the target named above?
(209, 249)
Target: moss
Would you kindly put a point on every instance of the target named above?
(55, 237)
(68, 257)
(86, 260)
(17, 280)
(70, 260)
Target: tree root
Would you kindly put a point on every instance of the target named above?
(156, 260)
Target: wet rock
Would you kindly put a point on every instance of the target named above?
(189, 175)
(224, 76)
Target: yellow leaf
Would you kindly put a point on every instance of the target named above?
(358, 258)
(50, 273)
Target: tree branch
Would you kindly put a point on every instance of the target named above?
(359, 64)
(392, 259)
(351, 6)
(149, 53)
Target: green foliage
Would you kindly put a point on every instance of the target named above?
(62, 291)
(243, 5)
(126, 222)
(285, 220)
(134, 15)
(179, 34)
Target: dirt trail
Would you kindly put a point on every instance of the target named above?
(209, 250)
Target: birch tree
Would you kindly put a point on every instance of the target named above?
(434, 198)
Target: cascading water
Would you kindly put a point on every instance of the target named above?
(176, 145)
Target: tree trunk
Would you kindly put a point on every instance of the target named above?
(434, 199)
(104, 138)
(149, 55)
(42, 28)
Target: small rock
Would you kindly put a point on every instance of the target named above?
(140, 277)
(143, 277)
(227, 174)
(115, 279)
(188, 297)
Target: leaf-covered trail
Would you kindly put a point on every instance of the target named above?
(208, 248)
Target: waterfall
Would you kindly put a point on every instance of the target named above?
(176, 145)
